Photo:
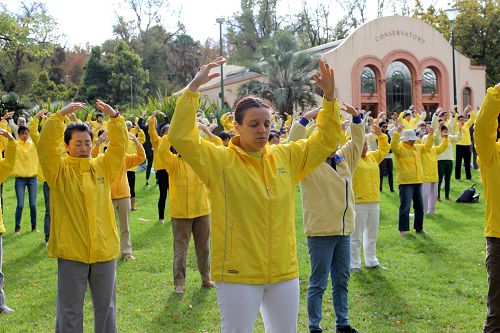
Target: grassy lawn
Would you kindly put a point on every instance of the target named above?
(434, 283)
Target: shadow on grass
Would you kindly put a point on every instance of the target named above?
(35, 254)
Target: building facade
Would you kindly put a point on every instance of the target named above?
(388, 64)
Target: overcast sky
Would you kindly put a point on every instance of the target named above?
(92, 20)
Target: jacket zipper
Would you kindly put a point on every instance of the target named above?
(226, 226)
(346, 204)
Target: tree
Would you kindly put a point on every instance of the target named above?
(25, 38)
(184, 60)
(96, 74)
(125, 68)
(476, 32)
(287, 73)
(252, 27)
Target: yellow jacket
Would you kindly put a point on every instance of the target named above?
(253, 198)
(227, 122)
(26, 160)
(413, 122)
(465, 139)
(6, 167)
(327, 195)
(131, 149)
(188, 197)
(409, 159)
(430, 163)
(82, 218)
(488, 151)
(159, 160)
(95, 125)
(366, 178)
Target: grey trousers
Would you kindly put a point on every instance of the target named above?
(182, 229)
(72, 279)
(122, 208)
(2, 296)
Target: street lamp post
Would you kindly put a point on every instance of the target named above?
(131, 101)
(452, 15)
(221, 20)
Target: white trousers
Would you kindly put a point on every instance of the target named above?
(278, 303)
(429, 195)
(365, 232)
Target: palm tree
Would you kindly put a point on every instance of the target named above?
(288, 75)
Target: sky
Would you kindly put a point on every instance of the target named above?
(92, 20)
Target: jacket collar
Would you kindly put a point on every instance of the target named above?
(234, 144)
(82, 164)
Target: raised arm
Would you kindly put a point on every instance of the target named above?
(139, 156)
(204, 157)
(395, 139)
(383, 145)
(7, 163)
(486, 128)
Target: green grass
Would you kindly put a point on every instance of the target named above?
(434, 283)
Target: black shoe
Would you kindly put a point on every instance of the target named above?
(17, 229)
(347, 329)
(316, 331)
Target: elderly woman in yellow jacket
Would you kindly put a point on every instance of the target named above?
(25, 173)
(6, 166)
(120, 191)
(408, 156)
(328, 209)
(189, 209)
(252, 192)
(430, 176)
(159, 162)
(486, 136)
(83, 233)
(366, 184)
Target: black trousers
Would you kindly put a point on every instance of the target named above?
(492, 321)
(149, 164)
(162, 177)
(463, 155)
(386, 169)
(445, 168)
(131, 183)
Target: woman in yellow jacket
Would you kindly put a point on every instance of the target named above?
(463, 151)
(159, 162)
(430, 175)
(366, 185)
(120, 191)
(136, 131)
(6, 167)
(189, 209)
(408, 156)
(252, 192)
(486, 138)
(25, 173)
(83, 233)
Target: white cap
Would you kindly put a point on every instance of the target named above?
(408, 135)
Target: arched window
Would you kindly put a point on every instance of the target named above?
(368, 81)
(429, 82)
(398, 87)
(466, 97)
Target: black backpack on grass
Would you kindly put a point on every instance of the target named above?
(469, 195)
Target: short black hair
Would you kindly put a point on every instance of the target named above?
(22, 129)
(273, 134)
(444, 127)
(224, 135)
(77, 127)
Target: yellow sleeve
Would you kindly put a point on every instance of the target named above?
(117, 147)
(89, 117)
(33, 128)
(204, 157)
(307, 155)
(428, 143)
(382, 149)
(95, 151)
(164, 149)
(215, 140)
(153, 135)
(7, 163)
(442, 147)
(395, 143)
(49, 153)
(485, 132)
(135, 159)
(471, 120)
(141, 136)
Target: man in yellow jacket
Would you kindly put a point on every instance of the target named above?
(408, 157)
(486, 138)
(6, 166)
(328, 209)
(83, 232)
(25, 173)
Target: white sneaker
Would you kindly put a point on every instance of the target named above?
(5, 309)
(412, 216)
(161, 221)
